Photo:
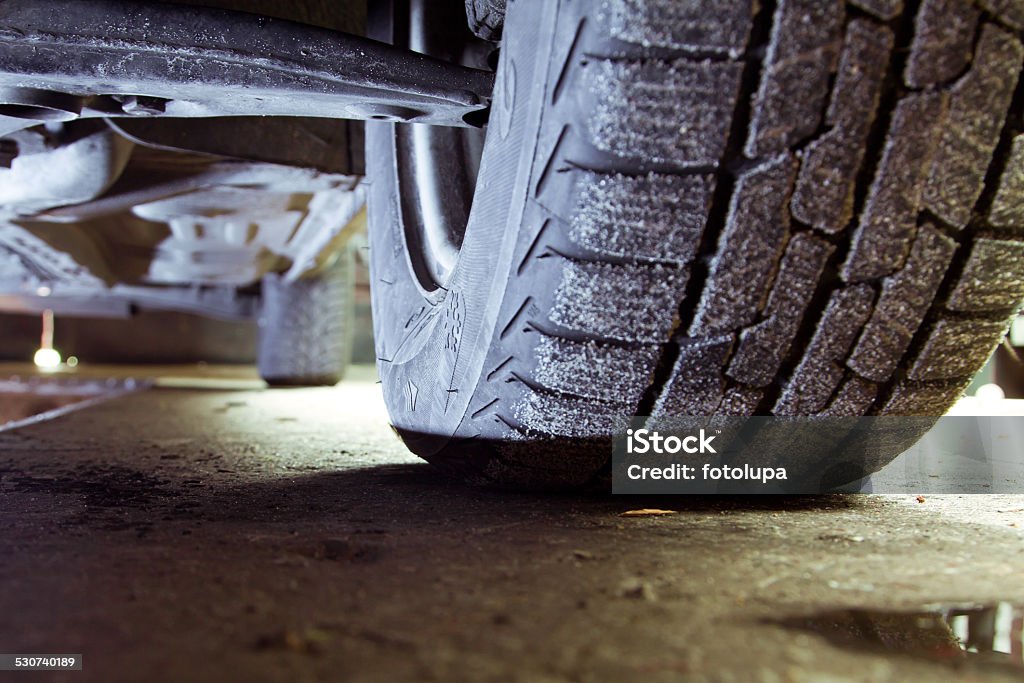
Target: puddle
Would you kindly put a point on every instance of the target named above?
(955, 634)
(31, 400)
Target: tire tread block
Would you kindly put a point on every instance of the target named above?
(698, 25)
(888, 223)
(883, 9)
(957, 348)
(992, 279)
(823, 197)
(763, 347)
(748, 251)
(739, 401)
(977, 111)
(943, 42)
(627, 303)
(902, 305)
(568, 416)
(823, 365)
(804, 45)
(910, 398)
(1010, 11)
(853, 399)
(656, 216)
(592, 370)
(675, 112)
(696, 383)
(1008, 205)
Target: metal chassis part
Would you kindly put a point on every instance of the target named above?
(122, 301)
(67, 59)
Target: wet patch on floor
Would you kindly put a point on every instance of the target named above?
(958, 635)
(25, 401)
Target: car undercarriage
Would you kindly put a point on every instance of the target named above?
(579, 212)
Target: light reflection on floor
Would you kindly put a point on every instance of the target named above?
(28, 395)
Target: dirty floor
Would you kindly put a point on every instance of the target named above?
(196, 533)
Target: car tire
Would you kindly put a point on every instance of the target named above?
(305, 327)
(792, 208)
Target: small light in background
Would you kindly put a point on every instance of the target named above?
(43, 291)
(1017, 331)
(990, 392)
(47, 357)
(72, 361)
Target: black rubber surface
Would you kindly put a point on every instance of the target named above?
(811, 209)
(486, 18)
(306, 326)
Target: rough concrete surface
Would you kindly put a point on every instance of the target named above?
(204, 534)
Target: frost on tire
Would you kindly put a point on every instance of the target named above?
(803, 207)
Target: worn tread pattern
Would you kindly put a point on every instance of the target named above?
(911, 398)
(697, 384)
(902, 306)
(571, 417)
(991, 278)
(1011, 12)
(822, 367)
(655, 216)
(853, 398)
(740, 401)
(587, 288)
(593, 370)
(883, 9)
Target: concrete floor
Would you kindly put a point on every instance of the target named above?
(212, 534)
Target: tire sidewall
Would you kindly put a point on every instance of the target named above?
(431, 346)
